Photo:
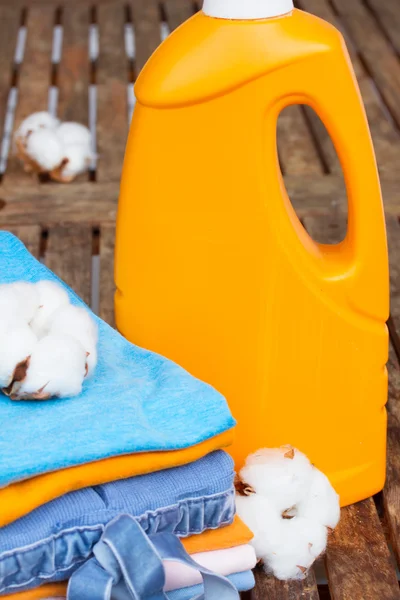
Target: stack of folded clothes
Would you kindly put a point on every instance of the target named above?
(93, 487)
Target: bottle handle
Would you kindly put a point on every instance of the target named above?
(334, 95)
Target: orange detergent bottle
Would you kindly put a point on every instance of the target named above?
(214, 269)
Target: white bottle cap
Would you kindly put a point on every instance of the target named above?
(246, 9)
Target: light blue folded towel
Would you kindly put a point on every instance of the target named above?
(136, 401)
(243, 582)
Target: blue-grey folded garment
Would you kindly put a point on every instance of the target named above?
(242, 581)
(51, 542)
(136, 401)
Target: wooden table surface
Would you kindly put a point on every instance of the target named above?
(71, 228)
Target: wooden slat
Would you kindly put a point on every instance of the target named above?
(385, 136)
(107, 286)
(271, 588)
(358, 560)
(146, 21)
(69, 255)
(388, 15)
(34, 78)
(178, 11)
(30, 236)
(10, 17)
(393, 233)
(297, 151)
(378, 54)
(73, 71)
(112, 78)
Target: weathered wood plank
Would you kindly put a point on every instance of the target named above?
(146, 22)
(387, 13)
(30, 236)
(271, 588)
(385, 136)
(178, 11)
(107, 285)
(393, 233)
(73, 71)
(30, 203)
(112, 79)
(34, 78)
(69, 255)
(10, 17)
(358, 560)
(377, 52)
(297, 152)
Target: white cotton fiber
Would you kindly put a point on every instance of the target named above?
(77, 322)
(57, 368)
(74, 133)
(76, 158)
(300, 542)
(51, 298)
(45, 149)
(281, 474)
(36, 121)
(16, 344)
(321, 503)
(262, 519)
(18, 301)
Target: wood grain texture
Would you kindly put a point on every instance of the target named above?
(69, 255)
(385, 136)
(146, 21)
(112, 79)
(73, 71)
(107, 286)
(377, 52)
(269, 588)
(297, 152)
(178, 11)
(387, 14)
(10, 17)
(30, 236)
(34, 77)
(358, 560)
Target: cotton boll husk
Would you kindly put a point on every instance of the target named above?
(57, 368)
(44, 147)
(300, 542)
(38, 120)
(77, 322)
(74, 133)
(18, 301)
(51, 297)
(285, 480)
(17, 342)
(321, 504)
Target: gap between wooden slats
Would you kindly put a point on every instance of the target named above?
(34, 75)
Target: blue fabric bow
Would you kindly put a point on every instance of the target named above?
(127, 565)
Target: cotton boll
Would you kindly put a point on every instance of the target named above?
(51, 297)
(38, 120)
(17, 343)
(283, 475)
(57, 367)
(321, 504)
(262, 518)
(300, 542)
(77, 322)
(18, 301)
(45, 149)
(76, 159)
(74, 133)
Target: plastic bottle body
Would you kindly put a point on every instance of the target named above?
(215, 271)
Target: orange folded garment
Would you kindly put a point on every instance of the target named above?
(21, 498)
(236, 534)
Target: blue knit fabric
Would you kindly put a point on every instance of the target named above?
(136, 401)
(51, 542)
